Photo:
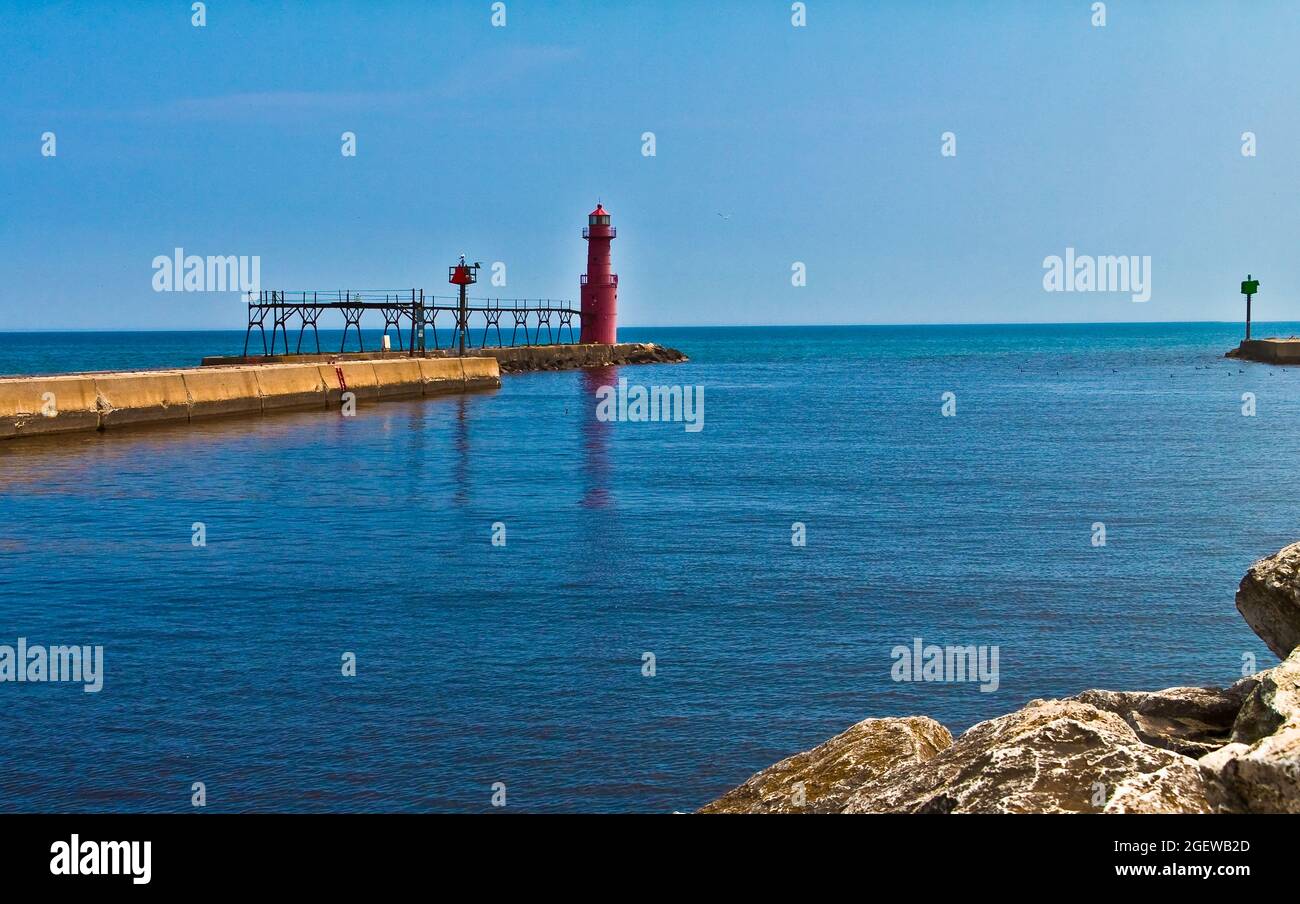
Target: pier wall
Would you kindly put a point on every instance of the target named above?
(1268, 351)
(33, 406)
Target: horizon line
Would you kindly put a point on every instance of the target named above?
(711, 326)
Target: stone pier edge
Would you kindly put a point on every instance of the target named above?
(75, 403)
(78, 403)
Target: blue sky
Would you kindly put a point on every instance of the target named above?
(821, 144)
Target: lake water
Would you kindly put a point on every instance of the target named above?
(523, 664)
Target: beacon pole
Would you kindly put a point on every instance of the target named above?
(463, 275)
(464, 316)
(1249, 287)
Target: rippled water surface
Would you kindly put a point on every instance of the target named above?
(523, 664)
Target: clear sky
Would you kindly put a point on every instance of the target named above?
(820, 144)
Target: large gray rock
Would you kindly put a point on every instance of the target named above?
(1269, 600)
(1263, 777)
(1274, 702)
(1261, 768)
(1192, 721)
(820, 780)
(1180, 787)
(1053, 756)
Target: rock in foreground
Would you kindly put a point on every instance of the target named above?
(1053, 756)
(1102, 751)
(1180, 750)
(1261, 768)
(1181, 787)
(821, 780)
(1192, 721)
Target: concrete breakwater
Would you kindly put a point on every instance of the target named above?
(1268, 351)
(73, 403)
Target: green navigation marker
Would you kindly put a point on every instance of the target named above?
(1249, 286)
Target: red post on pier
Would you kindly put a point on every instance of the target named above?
(599, 289)
(463, 275)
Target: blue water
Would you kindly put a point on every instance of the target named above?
(522, 664)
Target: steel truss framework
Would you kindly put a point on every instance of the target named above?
(407, 311)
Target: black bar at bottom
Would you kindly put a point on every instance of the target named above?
(939, 854)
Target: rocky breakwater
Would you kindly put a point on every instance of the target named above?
(519, 359)
(1180, 750)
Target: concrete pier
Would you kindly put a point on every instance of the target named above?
(223, 386)
(36, 406)
(1268, 351)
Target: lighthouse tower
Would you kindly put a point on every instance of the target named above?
(599, 286)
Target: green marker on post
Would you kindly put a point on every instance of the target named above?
(1249, 287)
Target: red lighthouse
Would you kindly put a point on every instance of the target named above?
(599, 286)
